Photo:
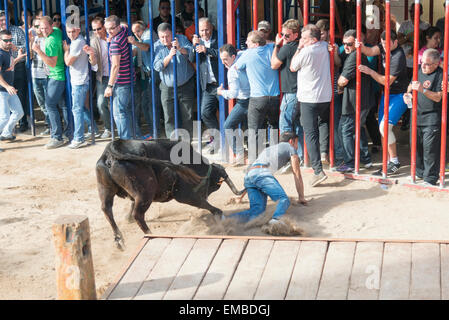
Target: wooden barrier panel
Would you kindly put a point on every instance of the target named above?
(74, 266)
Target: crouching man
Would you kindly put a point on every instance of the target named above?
(260, 182)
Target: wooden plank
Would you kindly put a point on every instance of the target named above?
(444, 249)
(365, 277)
(217, 278)
(276, 277)
(136, 274)
(249, 271)
(307, 271)
(395, 279)
(193, 270)
(337, 269)
(425, 281)
(165, 270)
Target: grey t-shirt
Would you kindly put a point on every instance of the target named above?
(79, 71)
(276, 156)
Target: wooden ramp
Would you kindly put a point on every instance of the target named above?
(253, 268)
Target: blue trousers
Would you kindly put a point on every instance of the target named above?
(260, 184)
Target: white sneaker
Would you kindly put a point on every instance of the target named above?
(106, 134)
(368, 165)
(77, 144)
(275, 222)
(54, 143)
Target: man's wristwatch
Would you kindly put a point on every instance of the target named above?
(110, 86)
(424, 91)
(278, 46)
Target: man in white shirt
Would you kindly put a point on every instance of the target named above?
(100, 46)
(312, 62)
(239, 89)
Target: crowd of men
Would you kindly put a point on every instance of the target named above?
(303, 91)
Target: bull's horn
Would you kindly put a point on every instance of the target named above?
(233, 188)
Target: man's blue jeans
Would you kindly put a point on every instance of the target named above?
(55, 92)
(11, 111)
(122, 111)
(39, 90)
(287, 123)
(260, 184)
(80, 113)
(102, 103)
(238, 115)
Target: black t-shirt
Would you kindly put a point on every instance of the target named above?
(398, 69)
(5, 63)
(429, 111)
(349, 96)
(289, 80)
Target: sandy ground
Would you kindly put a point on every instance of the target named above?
(38, 185)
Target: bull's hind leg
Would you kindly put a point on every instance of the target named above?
(139, 209)
(107, 201)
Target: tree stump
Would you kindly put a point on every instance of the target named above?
(74, 266)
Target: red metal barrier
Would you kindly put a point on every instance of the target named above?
(387, 86)
(445, 86)
(255, 14)
(332, 111)
(415, 93)
(358, 89)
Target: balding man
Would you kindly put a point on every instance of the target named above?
(264, 87)
(312, 62)
(206, 44)
(430, 77)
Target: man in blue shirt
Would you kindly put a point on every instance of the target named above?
(264, 85)
(165, 49)
(260, 182)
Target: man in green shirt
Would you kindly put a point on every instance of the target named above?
(53, 57)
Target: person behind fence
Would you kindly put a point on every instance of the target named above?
(265, 28)
(206, 44)
(166, 48)
(20, 80)
(264, 89)
(76, 58)
(398, 86)
(142, 92)
(312, 62)
(164, 15)
(39, 74)
(430, 78)
(239, 89)
(187, 15)
(347, 80)
(100, 65)
(120, 79)
(53, 57)
(11, 109)
(260, 182)
(284, 50)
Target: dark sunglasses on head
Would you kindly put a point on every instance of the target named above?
(7, 40)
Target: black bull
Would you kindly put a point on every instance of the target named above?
(143, 172)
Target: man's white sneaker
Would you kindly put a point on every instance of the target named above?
(54, 143)
(106, 134)
(77, 144)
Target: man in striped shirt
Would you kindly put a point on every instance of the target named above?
(120, 80)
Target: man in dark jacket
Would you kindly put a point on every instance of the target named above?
(206, 44)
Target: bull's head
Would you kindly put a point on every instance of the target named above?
(218, 176)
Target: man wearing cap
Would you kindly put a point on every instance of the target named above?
(265, 27)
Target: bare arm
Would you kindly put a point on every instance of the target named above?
(49, 61)
(115, 66)
(298, 179)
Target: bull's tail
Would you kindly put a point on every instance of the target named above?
(185, 173)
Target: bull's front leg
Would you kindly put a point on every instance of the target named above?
(206, 205)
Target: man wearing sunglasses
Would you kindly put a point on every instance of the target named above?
(10, 106)
(347, 80)
(286, 45)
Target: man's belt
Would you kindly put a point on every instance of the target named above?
(261, 166)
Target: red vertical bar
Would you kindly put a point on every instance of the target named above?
(280, 14)
(358, 90)
(230, 30)
(387, 85)
(444, 111)
(255, 15)
(306, 22)
(332, 111)
(306, 12)
(415, 94)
